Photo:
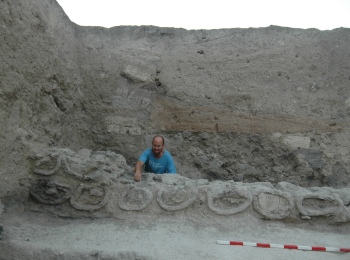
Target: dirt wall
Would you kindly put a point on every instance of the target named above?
(258, 104)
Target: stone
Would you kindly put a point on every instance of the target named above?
(134, 74)
(295, 141)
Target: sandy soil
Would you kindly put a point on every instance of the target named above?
(38, 236)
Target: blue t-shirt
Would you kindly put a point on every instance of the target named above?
(164, 164)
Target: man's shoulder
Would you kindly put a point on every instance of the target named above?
(146, 153)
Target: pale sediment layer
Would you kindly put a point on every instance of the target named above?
(38, 236)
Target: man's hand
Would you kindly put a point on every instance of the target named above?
(138, 171)
(137, 176)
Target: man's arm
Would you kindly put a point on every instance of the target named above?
(138, 171)
(171, 165)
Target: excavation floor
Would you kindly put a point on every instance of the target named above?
(38, 236)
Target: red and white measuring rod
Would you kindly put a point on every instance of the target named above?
(308, 248)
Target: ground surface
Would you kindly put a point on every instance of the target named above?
(38, 236)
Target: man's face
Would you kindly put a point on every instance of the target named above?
(157, 146)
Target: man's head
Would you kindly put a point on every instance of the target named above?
(158, 146)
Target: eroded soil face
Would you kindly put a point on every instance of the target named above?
(260, 104)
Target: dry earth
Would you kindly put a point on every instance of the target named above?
(33, 236)
(249, 105)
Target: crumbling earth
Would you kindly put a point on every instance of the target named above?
(258, 107)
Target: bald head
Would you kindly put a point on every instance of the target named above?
(158, 146)
(158, 138)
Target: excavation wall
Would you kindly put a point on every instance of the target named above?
(244, 105)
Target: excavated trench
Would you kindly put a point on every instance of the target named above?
(257, 121)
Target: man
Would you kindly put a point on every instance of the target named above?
(155, 159)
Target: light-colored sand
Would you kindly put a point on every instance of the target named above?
(35, 236)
